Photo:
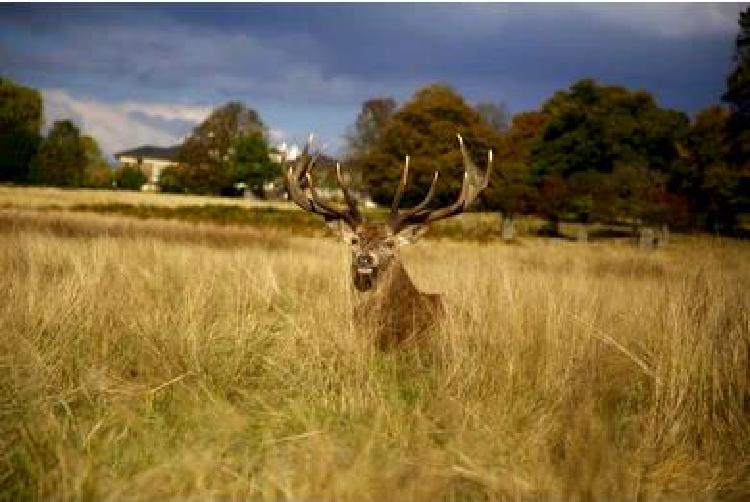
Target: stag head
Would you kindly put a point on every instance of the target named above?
(374, 245)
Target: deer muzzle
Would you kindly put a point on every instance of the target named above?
(364, 271)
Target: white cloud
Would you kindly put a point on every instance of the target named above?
(277, 134)
(119, 126)
(124, 125)
(188, 113)
(668, 19)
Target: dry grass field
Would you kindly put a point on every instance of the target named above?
(163, 360)
(38, 197)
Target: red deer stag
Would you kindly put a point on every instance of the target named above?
(388, 304)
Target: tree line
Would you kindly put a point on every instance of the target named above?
(63, 157)
(590, 153)
(228, 148)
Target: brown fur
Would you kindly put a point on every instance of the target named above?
(395, 311)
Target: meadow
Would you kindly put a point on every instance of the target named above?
(62, 198)
(159, 359)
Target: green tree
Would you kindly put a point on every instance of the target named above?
(170, 180)
(425, 128)
(208, 155)
(62, 159)
(738, 82)
(129, 177)
(20, 123)
(251, 163)
(738, 96)
(594, 130)
(707, 177)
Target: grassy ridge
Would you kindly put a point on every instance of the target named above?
(469, 226)
(221, 215)
(139, 367)
(31, 197)
(278, 215)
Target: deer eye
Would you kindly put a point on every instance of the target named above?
(390, 244)
(354, 240)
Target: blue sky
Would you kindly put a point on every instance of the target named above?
(146, 74)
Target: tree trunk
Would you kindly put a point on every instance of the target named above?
(509, 227)
(583, 233)
(552, 227)
(662, 238)
(646, 238)
(636, 227)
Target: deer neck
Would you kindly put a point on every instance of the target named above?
(394, 282)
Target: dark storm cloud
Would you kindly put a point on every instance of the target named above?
(300, 63)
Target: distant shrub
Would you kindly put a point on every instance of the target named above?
(100, 176)
(129, 178)
(170, 180)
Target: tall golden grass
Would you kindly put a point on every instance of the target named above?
(142, 365)
(35, 197)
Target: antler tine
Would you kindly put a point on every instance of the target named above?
(490, 159)
(427, 198)
(397, 218)
(470, 166)
(351, 201)
(327, 209)
(302, 167)
(316, 200)
(401, 187)
(471, 186)
(296, 170)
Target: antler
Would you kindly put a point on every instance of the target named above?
(302, 167)
(470, 188)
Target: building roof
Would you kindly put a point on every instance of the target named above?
(151, 152)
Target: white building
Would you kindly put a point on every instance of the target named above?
(284, 152)
(151, 160)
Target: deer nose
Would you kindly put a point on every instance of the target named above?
(365, 261)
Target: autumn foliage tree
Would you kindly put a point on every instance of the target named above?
(97, 172)
(369, 126)
(511, 191)
(495, 114)
(425, 128)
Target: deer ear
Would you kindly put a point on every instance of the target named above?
(411, 234)
(342, 229)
